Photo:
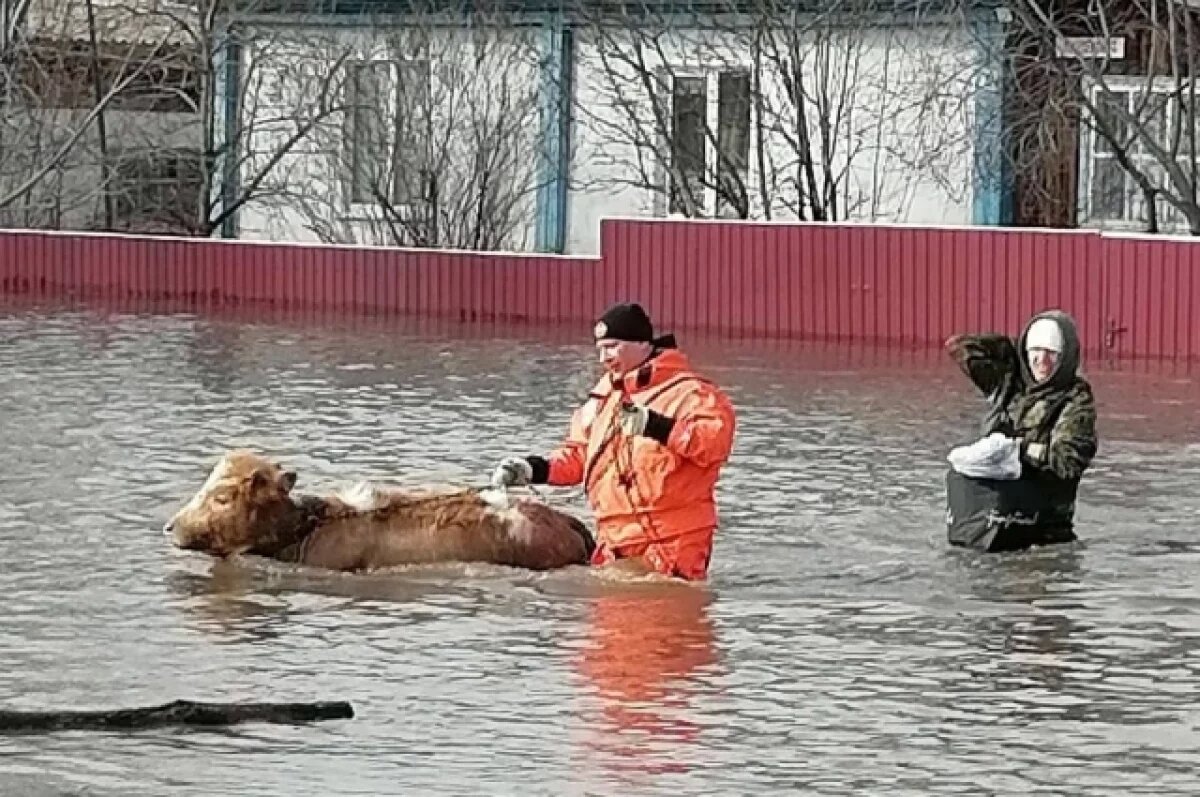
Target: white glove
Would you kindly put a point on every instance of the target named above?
(633, 419)
(1035, 453)
(512, 471)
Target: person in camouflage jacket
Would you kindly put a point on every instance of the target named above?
(1036, 395)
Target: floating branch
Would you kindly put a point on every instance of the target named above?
(180, 712)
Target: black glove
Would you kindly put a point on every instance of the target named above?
(638, 420)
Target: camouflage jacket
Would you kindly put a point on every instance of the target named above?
(1055, 420)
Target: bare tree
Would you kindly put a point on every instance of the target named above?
(1115, 83)
(436, 143)
(153, 115)
(263, 86)
(759, 109)
(63, 71)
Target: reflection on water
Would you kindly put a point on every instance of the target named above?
(839, 647)
(645, 658)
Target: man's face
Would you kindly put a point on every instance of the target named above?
(1042, 363)
(619, 357)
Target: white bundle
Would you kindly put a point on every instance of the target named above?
(992, 457)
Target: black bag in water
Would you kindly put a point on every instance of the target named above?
(996, 515)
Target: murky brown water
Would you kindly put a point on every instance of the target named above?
(839, 647)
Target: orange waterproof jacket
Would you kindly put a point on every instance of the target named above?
(643, 492)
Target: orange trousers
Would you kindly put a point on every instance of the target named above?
(686, 556)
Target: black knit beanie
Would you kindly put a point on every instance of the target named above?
(625, 321)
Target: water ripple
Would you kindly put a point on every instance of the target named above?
(839, 648)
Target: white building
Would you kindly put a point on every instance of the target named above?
(98, 116)
(523, 130)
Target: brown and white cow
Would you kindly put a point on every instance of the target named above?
(247, 507)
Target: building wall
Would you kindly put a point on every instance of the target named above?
(52, 162)
(475, 131)
(71, 195)
(898, 105)
(892, 125)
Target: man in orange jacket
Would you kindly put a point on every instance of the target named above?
(647, 445)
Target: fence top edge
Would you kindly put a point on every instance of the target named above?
(256, 242)
(620, 221)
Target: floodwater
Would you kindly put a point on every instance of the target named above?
(838, 648)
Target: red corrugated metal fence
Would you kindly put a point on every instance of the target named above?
(1133, 297)
(843, 282)
(209, 273)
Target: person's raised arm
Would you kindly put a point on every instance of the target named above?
(988, 360)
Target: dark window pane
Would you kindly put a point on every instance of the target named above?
(688, 138)
(733, 142)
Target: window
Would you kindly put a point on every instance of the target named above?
(733, 143)
(62, 76)
(1110, 194)
(714, 177)
(367, 137)
(689, 142)
(156, 191)
(410, 175)
(387, 112)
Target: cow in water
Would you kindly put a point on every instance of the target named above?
(247, 507)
